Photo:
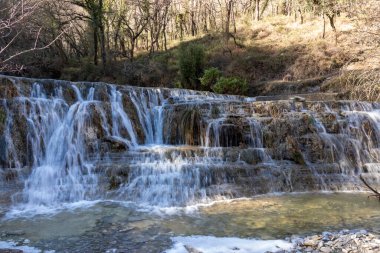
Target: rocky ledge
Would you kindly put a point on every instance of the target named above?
(358, 241)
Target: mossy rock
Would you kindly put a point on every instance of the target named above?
(114, 183)
(298, 158)
(8, 89)
(3, 119)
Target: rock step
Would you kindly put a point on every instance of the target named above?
(329, 172)
(306, 96)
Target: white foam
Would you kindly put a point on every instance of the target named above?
(193, 209)
(25, 249)
(29, 211)
(210, 244)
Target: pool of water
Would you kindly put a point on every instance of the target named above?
(123, 227)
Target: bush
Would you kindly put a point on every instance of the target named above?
(231, 85)
(362, 85)
(210, 78)
(191, 64)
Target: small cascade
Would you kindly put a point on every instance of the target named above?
(60, 171)
(149, 106)
(256, 140)
(121, 121)
(213, 130)
(69, 142)
(167, 179)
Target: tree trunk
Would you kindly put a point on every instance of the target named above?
(165, 39)
(331, 18)
(132, 52)
(103, 46)
(193, 26)
(228, 18)
(123, 48)
(102, 34)
(181, 27)
(257, 10)
(375, 192)
(234, 21)
(324, 25)
(205, 27)
(95, 45)
(117, 35)
(301, 15)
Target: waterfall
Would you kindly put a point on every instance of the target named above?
(149, 106)
(61, 173)
(70, 142)
(120, 120)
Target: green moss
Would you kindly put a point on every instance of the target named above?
(114, 183)
(298, 158)
(311, 121)
(3, 116)
(215, 112)
(3, 119)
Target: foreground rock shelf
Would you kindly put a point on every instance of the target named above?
(342, 242)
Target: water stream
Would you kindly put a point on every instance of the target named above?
(107, 225)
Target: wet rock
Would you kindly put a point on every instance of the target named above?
(311, 241)
(11, 251)
(325, 249)
(298, 99)
(191, 249)
(343, 241)
(3, 151)
(115, 144)
(8, 89)
(290, 144)
(14, 233)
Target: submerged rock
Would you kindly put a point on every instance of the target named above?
(11, 251)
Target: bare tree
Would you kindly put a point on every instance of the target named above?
(135, 19)
(18, 35)
(95, 11)
(257, 10)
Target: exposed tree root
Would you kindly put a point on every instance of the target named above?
(376, 193)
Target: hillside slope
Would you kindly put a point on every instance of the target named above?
(275, 56)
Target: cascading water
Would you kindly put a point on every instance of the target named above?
(121, 120)
(88, 141)
(60, 172)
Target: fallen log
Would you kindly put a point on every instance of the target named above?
(376, 193)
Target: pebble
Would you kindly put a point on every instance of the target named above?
(342, 242)
(325, 249)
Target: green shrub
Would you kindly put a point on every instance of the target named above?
(231, 85)
(210, 78)
(178, 85)
(191, 64)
